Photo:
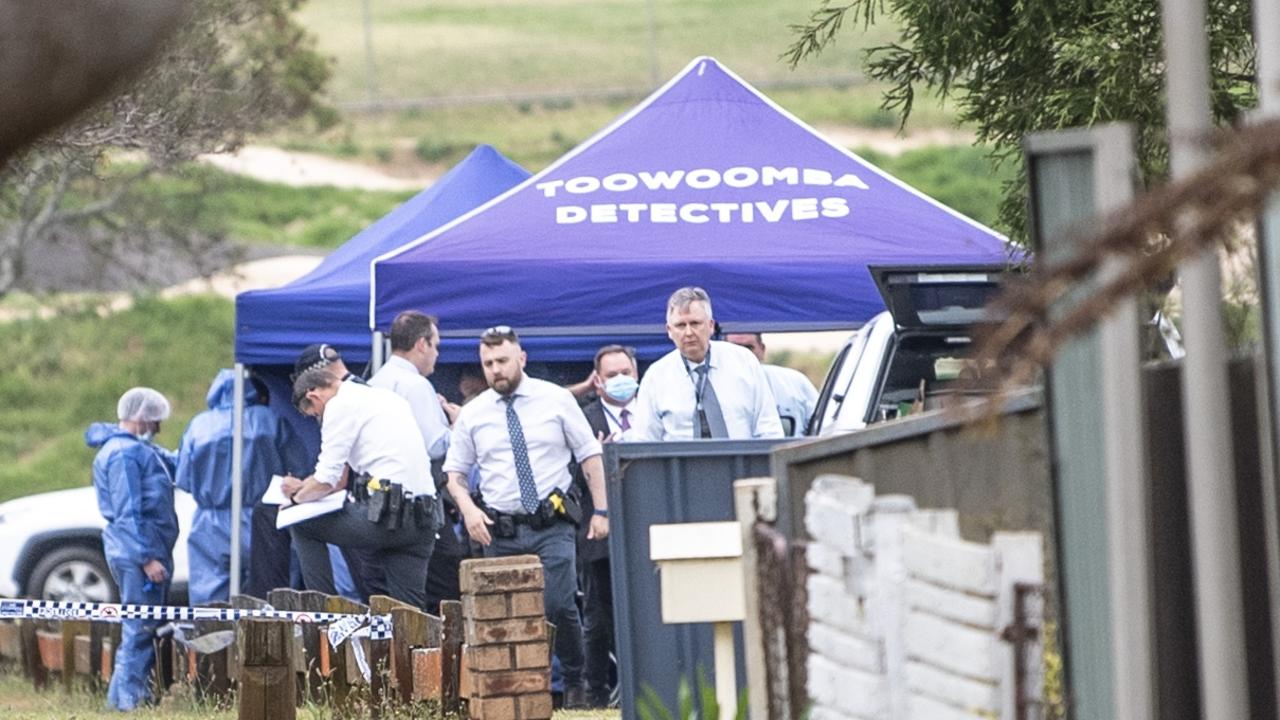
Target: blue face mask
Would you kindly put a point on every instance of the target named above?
(621, 388)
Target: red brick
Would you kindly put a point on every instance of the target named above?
(526, 604)
(532, 655)
(10, 641)
(485, 607)
(491, 632)
(534, 707)
(488, 657)
(512, 682)
(499, 575)
(497, 708)
(50, 645)
(426, 674)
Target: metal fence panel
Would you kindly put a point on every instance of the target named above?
(666, 482)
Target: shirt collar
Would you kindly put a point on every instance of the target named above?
(520, 391)
(617, 409)
(706, 359)
(402, 363)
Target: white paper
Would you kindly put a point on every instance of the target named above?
(275, 492)
(294, 514)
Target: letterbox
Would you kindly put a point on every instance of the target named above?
(701, 568)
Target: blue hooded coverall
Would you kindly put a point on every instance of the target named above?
(134, 483)
(204, 470)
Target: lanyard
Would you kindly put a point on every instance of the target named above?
(617, 421)
(700, 385)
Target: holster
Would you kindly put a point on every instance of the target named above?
(566, 507)
(377, 506)
(395, 506)
(504, 526)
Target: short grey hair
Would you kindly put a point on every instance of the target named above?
(686, 296)
(311, 380)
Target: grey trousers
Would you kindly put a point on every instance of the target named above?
(405, 552)
(556, 546)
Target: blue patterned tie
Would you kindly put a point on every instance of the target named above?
(524, 471)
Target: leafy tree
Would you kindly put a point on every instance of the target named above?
(1015, 67)
(235, 67)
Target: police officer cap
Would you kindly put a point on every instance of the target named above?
(317, 355)
(142, 404)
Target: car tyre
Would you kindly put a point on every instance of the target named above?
(74, 574)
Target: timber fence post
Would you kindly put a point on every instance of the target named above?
(268, 681)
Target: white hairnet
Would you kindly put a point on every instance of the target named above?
(142, 404)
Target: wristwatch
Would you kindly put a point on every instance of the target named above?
(601, 513)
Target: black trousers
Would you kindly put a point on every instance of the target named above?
(597, 629)
(268, 553)
(442, 573)
(404, 552)
(367, 571)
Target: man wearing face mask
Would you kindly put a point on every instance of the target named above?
(133, 480)
(616, 380)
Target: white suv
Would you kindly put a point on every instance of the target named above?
(51, 547)
(922, 338)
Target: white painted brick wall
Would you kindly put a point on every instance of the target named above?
(905, 617)
(849, 650)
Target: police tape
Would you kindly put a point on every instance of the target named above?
(341, 625)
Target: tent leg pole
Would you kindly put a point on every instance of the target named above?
(375, 355)
(237, 474)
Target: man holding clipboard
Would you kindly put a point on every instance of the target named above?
(369, 444)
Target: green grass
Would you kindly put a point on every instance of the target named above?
(451, 48)
(19, 701)
(256, 212)
(961, 177)
(536, 133)
(67, 372)
(495, 49)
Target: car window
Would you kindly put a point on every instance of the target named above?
(938, 361)
(825, 400)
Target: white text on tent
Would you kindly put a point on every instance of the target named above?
(701, 179)
(698, 213)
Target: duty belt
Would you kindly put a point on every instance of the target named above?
(389, 505)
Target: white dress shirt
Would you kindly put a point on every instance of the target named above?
(613, 414)
(554, 430)
(373, 431)
(795, 395)
(400, 377)
(666, 404)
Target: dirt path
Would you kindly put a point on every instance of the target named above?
(300, 169)
(253, 275)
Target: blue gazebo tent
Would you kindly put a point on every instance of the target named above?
(330, 304)
(707, 182)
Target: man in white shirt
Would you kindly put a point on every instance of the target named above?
(703, 388)
(415, 346)
(795, 395)
(521, 433)
(371, 431)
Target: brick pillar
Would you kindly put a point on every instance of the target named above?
(507, 658)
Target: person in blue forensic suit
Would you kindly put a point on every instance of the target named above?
(204, 470)
(133, 479)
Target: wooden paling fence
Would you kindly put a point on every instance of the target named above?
(274, 665)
